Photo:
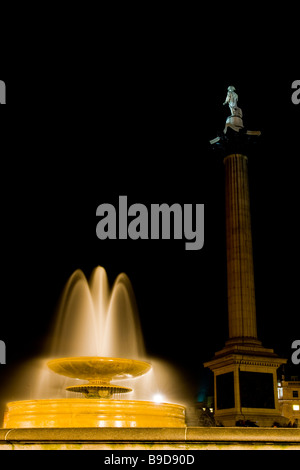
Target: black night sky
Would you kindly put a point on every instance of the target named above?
(139, 125)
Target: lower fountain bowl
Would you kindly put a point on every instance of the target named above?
(78, 413)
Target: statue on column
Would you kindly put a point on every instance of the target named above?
(235, 120)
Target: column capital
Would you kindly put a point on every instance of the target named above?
(236, 143)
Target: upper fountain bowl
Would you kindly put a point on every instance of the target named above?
(99, 368)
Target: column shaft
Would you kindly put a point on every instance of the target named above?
(240, 274)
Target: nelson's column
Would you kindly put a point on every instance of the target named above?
(245, 373)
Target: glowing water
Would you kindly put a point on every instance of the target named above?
(94, 320)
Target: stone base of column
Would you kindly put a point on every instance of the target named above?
(251, 418)
(245, 341)
(245, 385)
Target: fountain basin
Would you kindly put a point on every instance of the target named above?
(99, 371)
(94, 367)
(79, 412)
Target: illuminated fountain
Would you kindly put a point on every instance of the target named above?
(97, 339)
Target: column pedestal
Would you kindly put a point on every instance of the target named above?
(245, 385)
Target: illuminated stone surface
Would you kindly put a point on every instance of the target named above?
(81, 412)
(99, 371)
(151, 439)
(240, 277)
(96, 368)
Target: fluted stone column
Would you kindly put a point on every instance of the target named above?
(240, 274)
(245, 377)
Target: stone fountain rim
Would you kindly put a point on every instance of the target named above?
(73, 361)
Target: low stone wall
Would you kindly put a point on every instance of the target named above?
(183, 439)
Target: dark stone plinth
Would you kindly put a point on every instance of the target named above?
(234, 142)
